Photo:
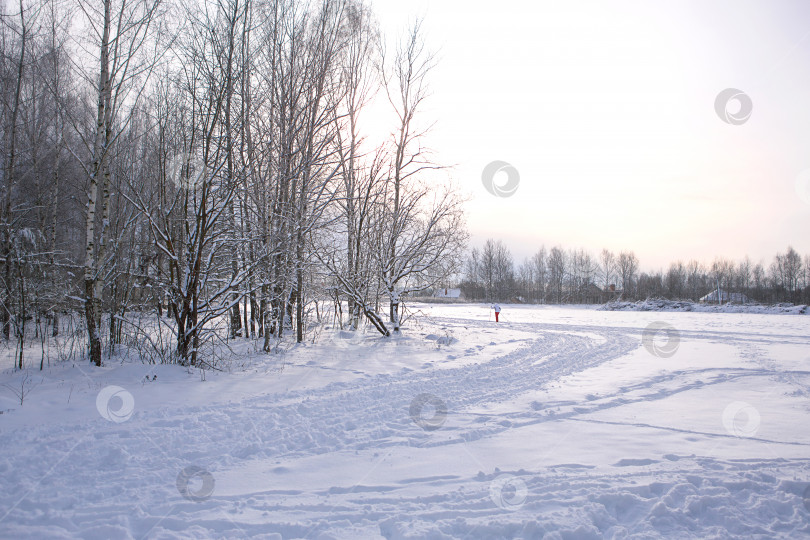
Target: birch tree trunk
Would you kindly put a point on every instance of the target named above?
(97, 170)
(11, 180)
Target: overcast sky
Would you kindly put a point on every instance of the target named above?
(607, 112)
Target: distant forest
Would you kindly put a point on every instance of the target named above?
(575, 276)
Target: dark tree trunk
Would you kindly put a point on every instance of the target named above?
(92, 331)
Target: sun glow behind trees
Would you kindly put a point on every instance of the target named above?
(606, 109)
(225, 184)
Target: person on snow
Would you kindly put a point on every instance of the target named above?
(497, 309)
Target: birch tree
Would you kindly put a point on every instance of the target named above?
(10, 163)
(122, 32)
(422, 229)
(359, 169)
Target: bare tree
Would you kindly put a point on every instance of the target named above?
(540, 274)
(557, 264)
(123, 33)
(422, 231)
(722, 274)
(628, 266)
(360, 172)
(10, 165)
(607, 262)
(676, 279)
(786, 272)
(742, 275)
(695, 278)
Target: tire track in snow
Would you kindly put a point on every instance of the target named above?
(127, 461)
(372, 413)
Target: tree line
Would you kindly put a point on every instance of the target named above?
(559, 275)
(209, 162)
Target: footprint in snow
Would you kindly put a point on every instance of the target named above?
(629, 462)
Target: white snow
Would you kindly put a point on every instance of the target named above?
(557, 422)
(659, 304)
(444, 292)
(725, 296)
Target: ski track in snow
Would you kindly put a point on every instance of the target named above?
(106, 480)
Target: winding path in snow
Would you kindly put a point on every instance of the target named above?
(118, 480)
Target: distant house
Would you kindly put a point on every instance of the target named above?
(447, 293)
(724, 297)
(593, 294)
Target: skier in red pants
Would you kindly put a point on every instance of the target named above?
(497, 309)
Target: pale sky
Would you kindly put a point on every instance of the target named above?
(607, 111)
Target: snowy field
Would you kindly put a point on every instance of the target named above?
(555, 423)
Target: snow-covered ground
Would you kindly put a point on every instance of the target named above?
(555, 423)
(660, 304)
